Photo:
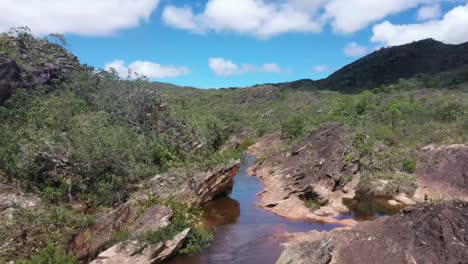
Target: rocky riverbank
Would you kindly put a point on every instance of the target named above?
(320, 169)
(427, 233)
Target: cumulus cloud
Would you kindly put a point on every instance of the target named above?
(348, 16)
(354, 49)
(265, 19)
(429, 12)
(224, 67)
(321, 68)
(452, 28)
(146, 68)
(254, 17)
(84, 17)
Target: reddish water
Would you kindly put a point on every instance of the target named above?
(243, 232)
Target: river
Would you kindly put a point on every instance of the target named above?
(246, 233)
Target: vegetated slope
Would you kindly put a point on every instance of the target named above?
(388, 65)
(28, 63)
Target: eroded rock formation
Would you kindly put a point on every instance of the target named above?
(319, 168)
(427, 233)
(442, 172)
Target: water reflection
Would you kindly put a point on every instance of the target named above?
(365, 209)
(243, 232)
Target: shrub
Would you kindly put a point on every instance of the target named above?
(409, 166)
(292, 126)
(51, 255)
(449, 112)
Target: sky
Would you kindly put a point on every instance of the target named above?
(231, 43)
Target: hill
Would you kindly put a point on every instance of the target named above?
(388, 65)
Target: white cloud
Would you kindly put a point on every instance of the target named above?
(429, 12)
(84, 17)
(452, 28)
(149, 69)
(224, 67)
(321, 68)
(265, 19)
(254, 17)
(354, 49)
(179, 17)
(348, 16)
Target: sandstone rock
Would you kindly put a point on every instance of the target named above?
(319, 168)
(198, 188)
(95, 237)
(442, 172)
(427, 233)
(152, 219)
(135, 252)
(208, 185)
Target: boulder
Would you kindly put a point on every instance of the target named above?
(154, 218)
(442, 172)
(427, 233)
(135, 252)
(195, 188)
(11, 197)
(319, 168)
(97, 236)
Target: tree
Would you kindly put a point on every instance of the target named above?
(58, 39)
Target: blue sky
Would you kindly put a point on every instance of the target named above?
(221, 43)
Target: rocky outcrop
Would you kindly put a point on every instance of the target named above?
(154, 218)
(442, 172)
(33, 63)
(12, 198)
(10, 77)
(96, 237)
(136, 252)
(197, 188)
(121, 219)
(427, 233)
(319, 168)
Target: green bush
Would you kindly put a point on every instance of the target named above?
(449, 112)
(409, 166)
(292, 126)
(51, 255)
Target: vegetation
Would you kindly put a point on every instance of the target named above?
(46, 229)
(184, 217)
(91, 136)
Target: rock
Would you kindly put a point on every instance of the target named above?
(442, 172)
(10, 77)
(11, 197)
(404, 199)
(97, 236)
(152, 219)
(427, 233)
(198, 188)
(135, 252)
(208, 185)
(393, 202)
(318, 168)
(172, 246)
(36, 63)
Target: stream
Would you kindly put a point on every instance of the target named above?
(246, 233)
